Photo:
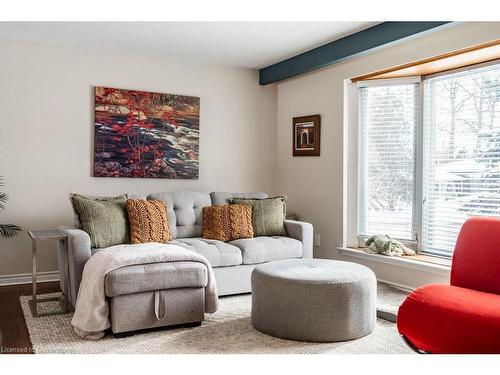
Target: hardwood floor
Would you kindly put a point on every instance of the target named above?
(14, 335)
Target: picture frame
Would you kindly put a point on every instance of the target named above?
(306, 134)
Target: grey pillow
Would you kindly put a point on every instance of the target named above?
(104, 219)
(268, 215)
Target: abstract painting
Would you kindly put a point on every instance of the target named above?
(146, 135)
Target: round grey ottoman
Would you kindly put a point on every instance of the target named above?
(314, 299)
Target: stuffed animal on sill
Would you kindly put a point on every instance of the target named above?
(385, 245)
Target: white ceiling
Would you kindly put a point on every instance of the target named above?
(242, 44)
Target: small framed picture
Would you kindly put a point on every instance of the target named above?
(306, 135)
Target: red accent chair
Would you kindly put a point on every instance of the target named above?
(463, 317)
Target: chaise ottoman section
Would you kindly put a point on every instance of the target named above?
(132, 312)
(156, 295)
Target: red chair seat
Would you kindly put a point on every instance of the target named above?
(450, 319)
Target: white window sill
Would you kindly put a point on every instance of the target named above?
(418, 262)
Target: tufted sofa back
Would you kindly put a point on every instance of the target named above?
(184, 208)
(222, 197)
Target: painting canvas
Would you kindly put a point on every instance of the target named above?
(306, 135)
(145, 134)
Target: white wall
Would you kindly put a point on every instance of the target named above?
(46, 133)
(314, 184)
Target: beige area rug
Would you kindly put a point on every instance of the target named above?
(227, 331)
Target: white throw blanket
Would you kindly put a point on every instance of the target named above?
(91, 316)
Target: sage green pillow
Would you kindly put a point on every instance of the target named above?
(268, 215)
(104, 219)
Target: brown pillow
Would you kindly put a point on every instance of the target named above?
(227, 222)
(148, 221)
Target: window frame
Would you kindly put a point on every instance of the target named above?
(361, 238)
(425, 133)
(352, 236)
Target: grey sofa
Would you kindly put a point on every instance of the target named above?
(232, 263)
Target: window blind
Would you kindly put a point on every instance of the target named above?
(387, 117)
(461, 153)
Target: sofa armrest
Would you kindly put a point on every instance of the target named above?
(304, 233)
(79, 252)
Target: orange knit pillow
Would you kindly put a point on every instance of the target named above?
(228, 222)
(148, 221)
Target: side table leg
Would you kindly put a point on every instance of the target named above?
(33, 300)
(66, 291)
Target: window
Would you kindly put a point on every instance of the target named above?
(461, 153)
(388, 119)
(429, 155)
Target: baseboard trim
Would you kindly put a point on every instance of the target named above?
(25, 278)
(404, 288)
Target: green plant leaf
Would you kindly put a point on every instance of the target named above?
(9, 230)
(3, 199)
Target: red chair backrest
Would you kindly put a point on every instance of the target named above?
(476, 259)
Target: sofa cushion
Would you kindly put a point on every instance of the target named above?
(184, 210)
(218, 253)
(219, 197)
(155, 276)
(265, 249)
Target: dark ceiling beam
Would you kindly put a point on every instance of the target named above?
(341, 49)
